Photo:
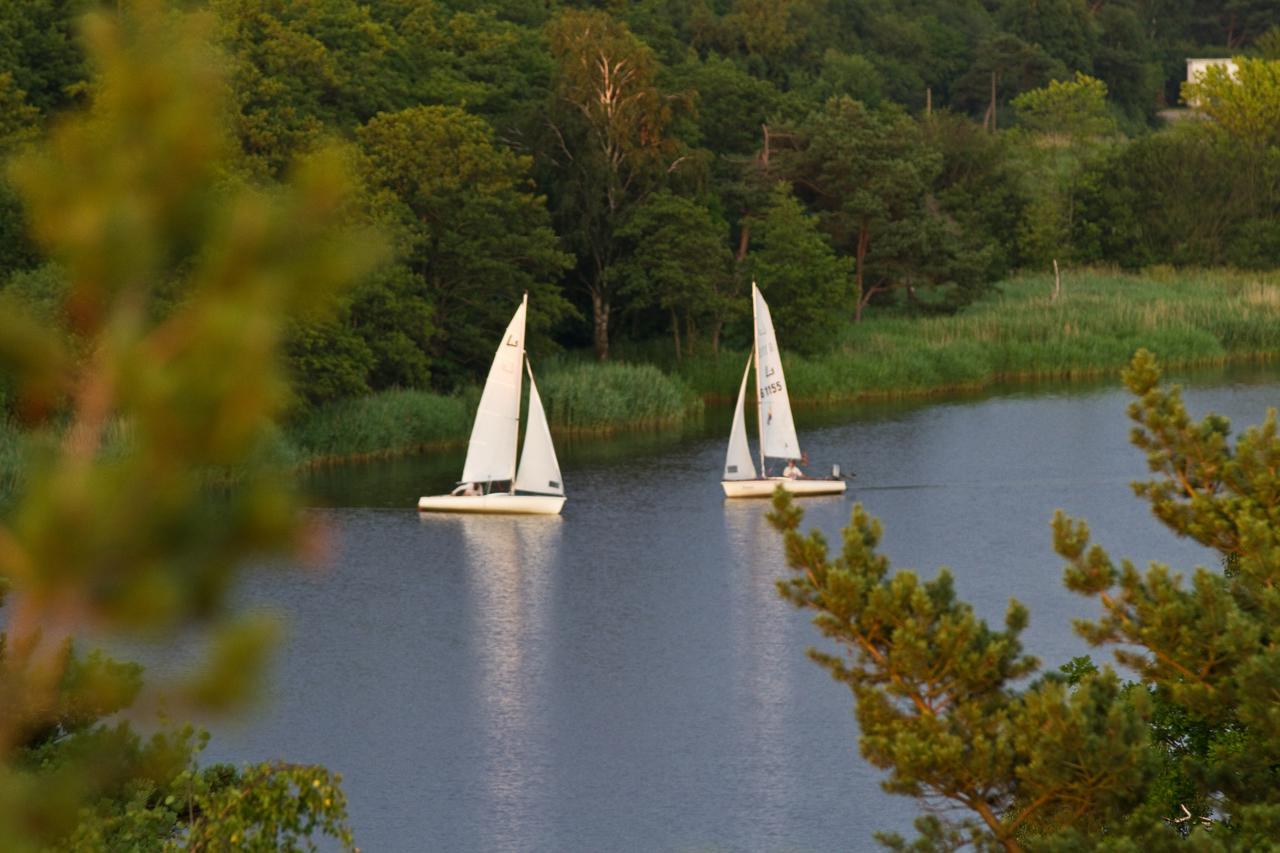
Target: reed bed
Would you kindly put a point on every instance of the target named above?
(1093, 328)
(577, 397)
(385, 424)
(611, 396)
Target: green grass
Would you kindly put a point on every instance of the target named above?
(606, 397)
(577, 397)
(383, 424)
(1092, 329)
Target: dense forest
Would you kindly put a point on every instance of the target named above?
(633, 165)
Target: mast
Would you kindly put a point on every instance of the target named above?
(524, 357)
(755, 351)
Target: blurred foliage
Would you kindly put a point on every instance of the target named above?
(145, 361)
(1011, 758)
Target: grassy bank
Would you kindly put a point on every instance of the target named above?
(1093, 328)
(578, 398)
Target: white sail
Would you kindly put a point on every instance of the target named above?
(777, 429)
(539, 471)
(737, 462)
(491, 453)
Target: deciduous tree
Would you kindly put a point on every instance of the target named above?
(611, 125)
(678, 260)
(476, 235)
(808, 286)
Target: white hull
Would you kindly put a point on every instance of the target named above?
(500, 503)
(764, 488)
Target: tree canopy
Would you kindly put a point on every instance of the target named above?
(511, 146)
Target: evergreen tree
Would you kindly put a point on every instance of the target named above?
(1079, 761)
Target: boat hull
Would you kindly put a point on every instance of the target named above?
(764, 488)
(501, 503)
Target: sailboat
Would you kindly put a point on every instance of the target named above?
(777, 428)
(534, 487)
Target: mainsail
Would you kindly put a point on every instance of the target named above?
(777, 429)
(539, 471)
(737, 462)
(491, 453)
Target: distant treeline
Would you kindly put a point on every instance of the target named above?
(633, 165)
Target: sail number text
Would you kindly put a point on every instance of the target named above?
(771, 388)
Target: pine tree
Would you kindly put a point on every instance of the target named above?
(1076, 758)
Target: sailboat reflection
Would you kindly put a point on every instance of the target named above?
(510, 561)
(767, 646)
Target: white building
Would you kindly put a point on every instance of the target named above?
(1196, 69)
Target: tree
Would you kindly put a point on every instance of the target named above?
(475, 235)
(1074, 111)
(1176, 196)
(611, 125)
(795, 266)
(1004, 66)
(39, 50)
(1065, 29)
(1245, 107)
(768, 32)
(1267, 45)
(1081, 760)
(1070, 128)
(979, 189)
(481, 60)
(132, 414)
(1244, 103)
(301, 70)
(869, 172)
(1232, 23)
(679, 262)
(1125, 60)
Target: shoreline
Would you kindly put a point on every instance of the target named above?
(1015, 378)
(1018, 336)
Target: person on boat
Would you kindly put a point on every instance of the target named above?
(792, 471)
(467, 490)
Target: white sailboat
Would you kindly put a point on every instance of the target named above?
(777, 427)
(534, 487)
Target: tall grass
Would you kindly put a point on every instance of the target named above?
(1092, 328)
(577, 397)
(605, 397)
(388, 423)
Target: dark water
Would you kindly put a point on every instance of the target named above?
(625, 677)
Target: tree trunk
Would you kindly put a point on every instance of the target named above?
(864, 241)
(675, 331)
(600, 324)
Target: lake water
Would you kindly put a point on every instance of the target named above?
(625, 677)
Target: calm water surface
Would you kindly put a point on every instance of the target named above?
(625, 677)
